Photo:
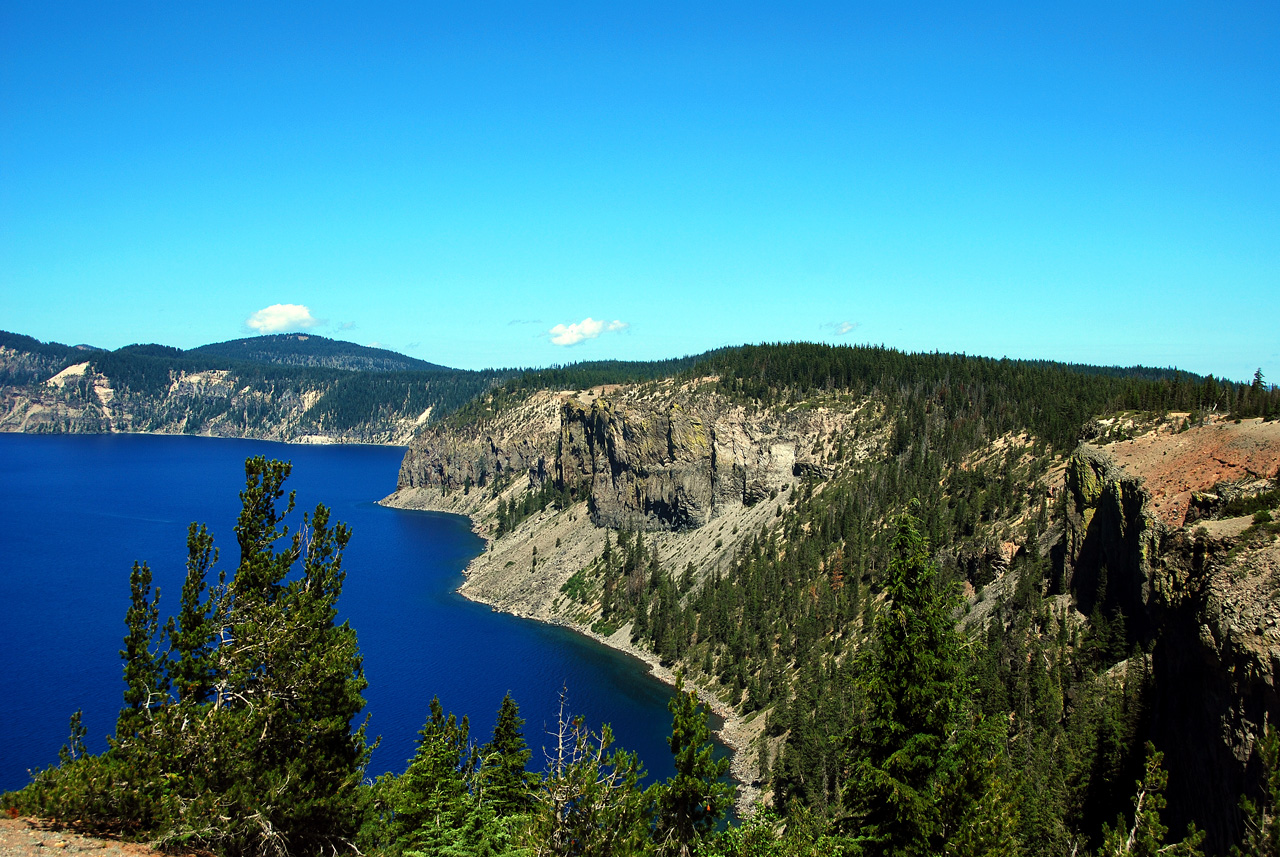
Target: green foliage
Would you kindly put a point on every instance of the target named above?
(1252, 504)
(356, 399)
(238, 737)
(511, 515)
(689, 804)
(432, 808)
(1262, 816)
(588, 801)
(1052, 400)
(504, 782)
(293, 349)
(920, 777)
(1145, 837)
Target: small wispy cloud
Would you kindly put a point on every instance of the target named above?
(581, 331)
(346, 325)
(516, 321)
(278, 318)
(840, 328)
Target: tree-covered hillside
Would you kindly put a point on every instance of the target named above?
(1055, 679)
(307, 349)
(278, 387)
(926, 668)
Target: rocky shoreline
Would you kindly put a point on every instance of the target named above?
(736, 732)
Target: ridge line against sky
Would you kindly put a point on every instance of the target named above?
(490, 184)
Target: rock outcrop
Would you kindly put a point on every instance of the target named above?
(213, 402)
(666, 457)
(1204, 594)
(519, 443)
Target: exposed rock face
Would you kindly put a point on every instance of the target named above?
(1110, 536)
(1222, 459)
(1210, 604)
(1216, 664)
(520, 442)
(674, 463)
(78, 400)
(667, 458)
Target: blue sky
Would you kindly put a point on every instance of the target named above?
(489, 184)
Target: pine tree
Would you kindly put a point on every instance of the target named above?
(1262, 819)
(504, 781)
(431, 802)
(588, 800)
(1146, 836)
(691, 802)
(191, 632)
(920, 756)
(146, 686)
(254, 752)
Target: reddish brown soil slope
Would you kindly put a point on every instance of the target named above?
(1173, 465)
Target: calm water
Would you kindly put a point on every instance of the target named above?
(76, 511)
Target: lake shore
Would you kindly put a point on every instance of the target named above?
(736, 732)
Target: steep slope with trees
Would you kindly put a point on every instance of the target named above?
(946, 625)
(738, 526)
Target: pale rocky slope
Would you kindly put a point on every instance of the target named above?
(77, 400)
(699, 475)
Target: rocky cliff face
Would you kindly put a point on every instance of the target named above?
(518, 443)
(1110, 537)
(78, 400)
(665, 456)
(1206, 595)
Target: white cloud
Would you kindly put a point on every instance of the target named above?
(840, 328)
(282, 317)
(588, 328)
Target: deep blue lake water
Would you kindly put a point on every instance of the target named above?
(77, 511)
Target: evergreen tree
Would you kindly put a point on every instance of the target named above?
(255, 752)
(919, 769)
(1146, 836)
(191, 632)
(146, 686)
(691, 802)
(431, 802)
(1262, 819)
(504, 781)
(588, 801)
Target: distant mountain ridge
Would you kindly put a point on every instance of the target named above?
(289, 387)
(305, 349)
(302, 387)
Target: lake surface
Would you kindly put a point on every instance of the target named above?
(77, 511)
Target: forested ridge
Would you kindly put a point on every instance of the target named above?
(280, 387)
(927, 681)
(1059, 701)
(352, 388)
